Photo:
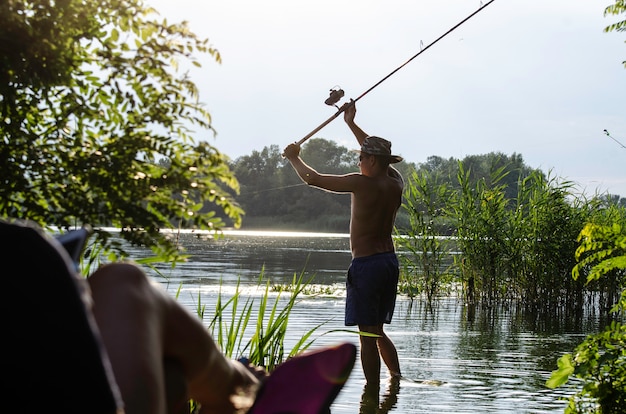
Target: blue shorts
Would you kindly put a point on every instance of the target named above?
(371, 289)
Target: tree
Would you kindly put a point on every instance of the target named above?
(618, 8)
(261, 177)
(329, 158)
(273, 195)
(92, 99)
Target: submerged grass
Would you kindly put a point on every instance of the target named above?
(309, 290)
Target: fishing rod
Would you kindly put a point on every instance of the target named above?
(336, 93)
(609, 135)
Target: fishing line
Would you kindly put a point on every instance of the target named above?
(336, 94)
(274, 188)
(609, 135)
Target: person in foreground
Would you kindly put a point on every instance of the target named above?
(113, 343)
(373, 274)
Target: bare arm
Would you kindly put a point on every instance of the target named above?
(329, 182)
(348, 115)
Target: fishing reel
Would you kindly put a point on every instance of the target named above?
(336, 94)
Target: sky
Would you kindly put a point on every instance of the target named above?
(538, 78)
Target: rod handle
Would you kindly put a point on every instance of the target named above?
(322, 125)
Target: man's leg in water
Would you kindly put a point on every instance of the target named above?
(389, 354)
(372, 349)
(370, 359)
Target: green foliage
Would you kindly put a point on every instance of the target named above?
(548, 218)
(602, 250)
(517, 248)
(481, 168)
(560, 376)
(427, 196)
(619, 7)
(92, 99)
(601, 254)
(267, 181)
(265, 343)
(35, 50)
(600, 360)
(481, 229)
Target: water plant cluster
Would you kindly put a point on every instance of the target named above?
(499, 248)
(254, 328)
(244, 328)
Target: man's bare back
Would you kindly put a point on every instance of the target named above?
(373, 214)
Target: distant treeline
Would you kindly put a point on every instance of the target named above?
(273, 197)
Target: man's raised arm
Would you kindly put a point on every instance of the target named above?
(348, 116)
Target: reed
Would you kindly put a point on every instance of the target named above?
(514, 250)
(256, 327)
(423, 252)
(480, 213)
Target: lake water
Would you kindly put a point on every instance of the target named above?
(494, 361)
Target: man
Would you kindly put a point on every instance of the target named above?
(373, 274)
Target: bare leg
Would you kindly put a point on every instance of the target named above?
(389, 354)
(370, 358)
(148, 336)
(129, 320)
(372, 349)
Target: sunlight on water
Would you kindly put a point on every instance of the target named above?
(239, 233)
(283, 234)
(313, 291)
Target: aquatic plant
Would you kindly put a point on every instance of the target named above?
(423, 250)
(309, 290)
(260, 340)
(600, 360)
(507, 248)
(482, 222)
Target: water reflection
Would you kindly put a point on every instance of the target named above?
(371, 401)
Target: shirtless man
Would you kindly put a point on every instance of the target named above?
(373, 274)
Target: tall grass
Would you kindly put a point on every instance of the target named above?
(480, 213)
(518, 251)
(423, 252)
(256, 327)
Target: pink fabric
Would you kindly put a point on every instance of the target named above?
(307, 383)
